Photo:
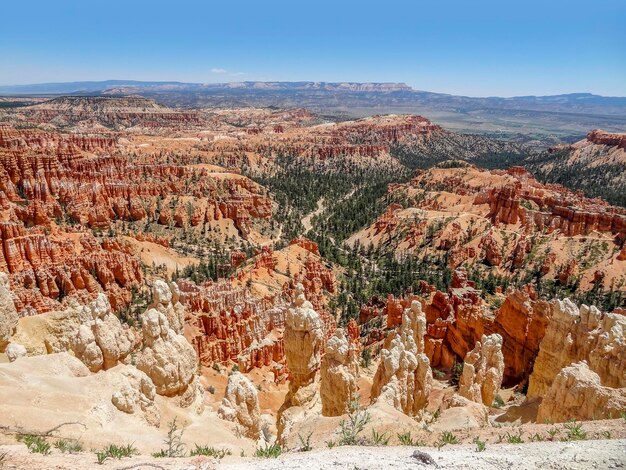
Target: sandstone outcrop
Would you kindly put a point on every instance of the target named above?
(303, 338)
(338, 375)
(580, 334)
(166, 299)
(303, 342)
(483, 370)
(577, 393)
(241, 405)
(100, 341)
(8, 314)
(167, 358)
(136, 395)
(404, 378)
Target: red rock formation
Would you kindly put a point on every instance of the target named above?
(45, 269)
(605, 138)
(306, 244)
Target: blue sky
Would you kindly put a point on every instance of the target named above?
(468, 47)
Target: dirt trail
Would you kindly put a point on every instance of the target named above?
(306, 220)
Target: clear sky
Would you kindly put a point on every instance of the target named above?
(468, 47)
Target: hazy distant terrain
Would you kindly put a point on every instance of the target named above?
(540, 120)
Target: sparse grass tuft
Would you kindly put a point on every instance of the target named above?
(446, 438)
(552, 432)
(67, 446)
(269, 451)
(305, 443)
(210, 452)
(406, 439)
(3, 458)
(379, 439)
(480, 445)
(536, 438)
(330, 444)
(113, 451)
(35, 444)
(575, 431)
(514, 438)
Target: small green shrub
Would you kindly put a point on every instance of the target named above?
(575, 432)
(210, 452)
(480, 445)
(446, 438)
(67, 446)
(268, 451)
(552, 432)
(330, 444)
(455, 377)
(498, 402)
(102, 456)
(35, 444)
(514, 438)
(406, 439)
(113, 451)
(366, 358)
(174, 446)
(354, 425)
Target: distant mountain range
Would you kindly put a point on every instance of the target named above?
(531, 119)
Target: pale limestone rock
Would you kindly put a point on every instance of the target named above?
(404, 378)
(303, 338)
(577, 393)
(483, 370)
(165, 299)
(8, 314)
(574, 335)
(14, 351)
(136, 395)
(167, 358)
(461, 413)
(241, 405)
(338, 374)
(99, 341)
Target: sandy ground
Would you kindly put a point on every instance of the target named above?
(604, 454)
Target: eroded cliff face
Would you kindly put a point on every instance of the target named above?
(236, 320)
(580, 334)
(404, 378)
(119, 112)
(55, 187)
